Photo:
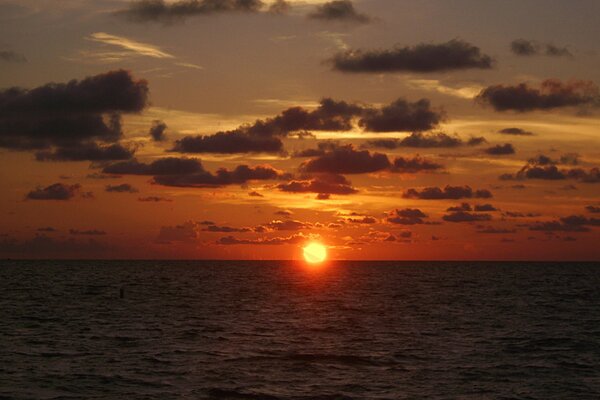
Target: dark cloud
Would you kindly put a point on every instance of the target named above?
(551, 94)
(476, 141)
(287, 225)
(424, 140)
(153, 199)
(228, 143)
(187, 232)
(449, 192)
(47, 229)
(401, 116)
(449, 56)
(88, 232)
(294, 239)
(122, 188)
(347, 160)
(163, 166)
(572, 223)
(188, 172)
(69, 114)
(87, 152)
(593, 209)
(461, 207)
(464, 216)
(42, 246)
(407, 216)
(157, 131)
(413, 165)
(254, 193)
(364, 220)
(523, 47)
(484, 207)
(321, 183)
(516, 214)
(285, 213)
(322, 148)
(515, 131)
(169, 12)
(339, 10)
(500, 149)
(492, 230)
(57, 191)
(323, 196)
(225, 229)
(12, 57)
(543, 167)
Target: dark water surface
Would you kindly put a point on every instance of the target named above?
(278, 330)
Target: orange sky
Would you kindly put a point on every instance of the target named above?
(383, 129)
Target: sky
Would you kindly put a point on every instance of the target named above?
(245, 129)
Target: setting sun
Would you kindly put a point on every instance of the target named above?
(315, 253)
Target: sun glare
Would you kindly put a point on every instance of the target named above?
(315, 253)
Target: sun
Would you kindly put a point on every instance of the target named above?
(315, 253)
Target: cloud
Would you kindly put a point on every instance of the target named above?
(162, 166)
(426, 140)
(422, 58)
(139, 48)
(12, 57)
(346, 160)
(335, 116)
(364, 220)
(551, 94)
(47, 229)
(122, 188)
(228, 143)
(461, 207)
(515, 131)
(593, 209)
(169, 12)
(402, 116)
(493, 231)
(485, 207)
(543, 167)
(153, 199)
(186, 232)
(89, 232)
(225, 229)
(294, 239)
(57, 191)
(339, 10)
(42, 246)
(572, 223)
(500, 149)
(157, 131)
(523, 47)
(254, 193)
(69, 114)
(448, 192)
(413, 165)
(321, 183)
(188, 172)
(407, 216)
(87, 152)
(280, 7)
(287, 225)
(464, 216)
(322, 148)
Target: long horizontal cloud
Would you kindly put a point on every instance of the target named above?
(524, 47)
(348, 160)
(187, 172)
(425, 140)
(331, 115)
(545, 168)
(69, 114)
(452, 55)
(407, 216)
(339, 10)
(465, 216)
(448, 192)
(57, 191)
(294, 239)
(515, 132)
(166, 12)
(87, 152)
(319, 183)
(551, 94)
(572, 223)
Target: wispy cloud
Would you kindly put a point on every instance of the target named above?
(465, 92)
(142, 49)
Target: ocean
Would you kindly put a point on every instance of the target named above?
(282, 330)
